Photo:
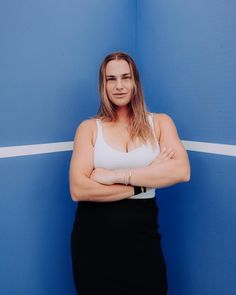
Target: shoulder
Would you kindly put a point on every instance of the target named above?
(87, 125)
(86, 128)
(163, 120)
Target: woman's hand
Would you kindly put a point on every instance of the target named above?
(165, 154)
(108, 177)
(103, 176)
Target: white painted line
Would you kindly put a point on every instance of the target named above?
(34, 149)
(213, 148)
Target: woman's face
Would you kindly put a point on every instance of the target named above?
(119, 82)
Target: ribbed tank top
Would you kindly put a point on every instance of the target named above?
(107, 157)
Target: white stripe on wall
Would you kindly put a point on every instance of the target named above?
(35, 149)
(212, 148)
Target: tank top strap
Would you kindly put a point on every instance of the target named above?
(99, 128)
(151, 122)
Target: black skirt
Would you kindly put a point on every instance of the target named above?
(116, 248)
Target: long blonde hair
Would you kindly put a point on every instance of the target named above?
(139, 126)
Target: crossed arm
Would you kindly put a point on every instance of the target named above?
(170, 167)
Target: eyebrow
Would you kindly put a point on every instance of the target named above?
(111, 76)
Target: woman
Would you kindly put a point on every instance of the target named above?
(119, 157)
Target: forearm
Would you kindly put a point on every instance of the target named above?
(85, 189)
(161, 175)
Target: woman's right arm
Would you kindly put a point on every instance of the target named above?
(82, 187)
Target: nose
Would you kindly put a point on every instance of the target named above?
(119, 84)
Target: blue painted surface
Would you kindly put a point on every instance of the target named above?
(35, 225)
(186, 51)
(198, 224)
(50, 56)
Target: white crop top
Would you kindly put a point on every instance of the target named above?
(107, 157)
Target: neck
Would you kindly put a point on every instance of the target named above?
(122, 115)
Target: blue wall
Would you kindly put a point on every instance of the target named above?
(186, 53)
(50, 54)
(186, 50)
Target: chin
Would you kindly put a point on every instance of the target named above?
(121, 101)
(121, 104)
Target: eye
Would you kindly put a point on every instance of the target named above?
(127, 77)
(110, 79)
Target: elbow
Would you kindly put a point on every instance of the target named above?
(186, 178)
(76, 194)
(182, 172)
(186, 174)
(78, 188)
(75, 197)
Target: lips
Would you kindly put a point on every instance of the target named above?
(119, 94)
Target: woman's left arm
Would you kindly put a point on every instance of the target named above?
(159, 173)
(166, 173)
